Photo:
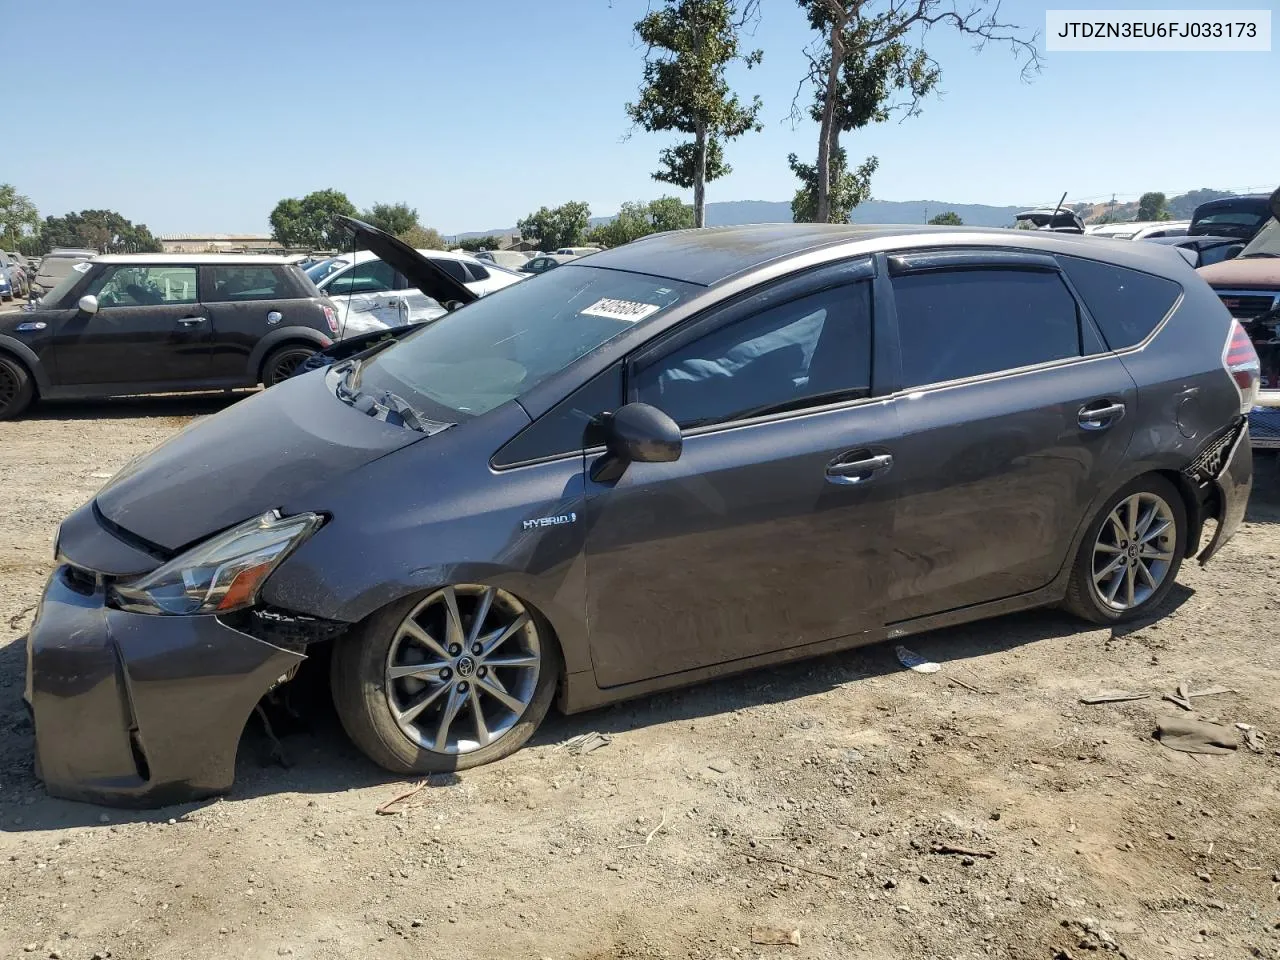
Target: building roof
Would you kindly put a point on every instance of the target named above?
(225, 237)
(192, 258)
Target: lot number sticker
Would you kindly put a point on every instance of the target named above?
(628, 310)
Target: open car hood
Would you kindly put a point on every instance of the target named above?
(419, 271)
(1061, 219)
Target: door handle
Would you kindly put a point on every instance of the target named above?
(1099, 418)
(858, 471)
(191, 321)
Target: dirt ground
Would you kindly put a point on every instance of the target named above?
(809, 798)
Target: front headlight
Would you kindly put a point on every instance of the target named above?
(222, 574)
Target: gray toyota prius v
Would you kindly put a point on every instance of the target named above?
(702, 452)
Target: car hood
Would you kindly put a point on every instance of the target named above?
(1253, 273)
(416, 268)
(283, 446)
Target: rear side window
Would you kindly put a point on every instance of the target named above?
(248, 283)
(476, 272)
(1126, 304)
(453, 268)
(964, 323)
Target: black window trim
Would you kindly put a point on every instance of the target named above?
(786, 289)
(915, 260)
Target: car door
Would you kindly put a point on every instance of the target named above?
(245, 302)
(1012, 416)
(769, 531)
(149, 328)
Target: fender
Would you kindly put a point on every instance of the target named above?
(27, 356)
(277, 337)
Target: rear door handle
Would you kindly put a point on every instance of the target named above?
(191, 321)
(1099, 417)
(858, 471)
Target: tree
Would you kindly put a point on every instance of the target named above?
(948, 219)
(18, 215)
(1154, 206)
(394, 218)
(104, 230)
(480, 243)
(423, 238)
(869, 52)
(639, 219)
(562, 226)
(847, 188)
(309, 222)
(690, 43)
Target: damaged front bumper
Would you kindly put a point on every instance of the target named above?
(139, 710)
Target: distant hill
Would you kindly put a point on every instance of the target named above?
(735, 212)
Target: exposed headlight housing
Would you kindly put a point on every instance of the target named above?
(223, 573)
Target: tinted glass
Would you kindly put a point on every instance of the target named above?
(964, 323)
(810, 351)
(144, 286)
(565, 427)
(497, 348)
(453, 268)
(247, 283)
(476, 272)
(372, 276)
(1126, 304)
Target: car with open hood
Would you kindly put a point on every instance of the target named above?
(1249, 285)
(702, 452)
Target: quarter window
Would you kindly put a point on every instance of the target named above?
(453, 268)
(372, 276)
(800, 354)
(475, 272)
(144, 286)
(954, 324)
(1126, 304)
(247, 283)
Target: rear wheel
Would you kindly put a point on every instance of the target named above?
(1131, 554)
(455, 679)
(283, 362)
(16, 389)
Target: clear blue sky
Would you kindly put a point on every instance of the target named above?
(200, 116)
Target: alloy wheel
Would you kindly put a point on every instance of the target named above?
(287, 364)
(462, 668)
(1133, 552)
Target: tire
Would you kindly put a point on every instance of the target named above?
(368, 698)
(1106, 545)
(16, 388)
(283, 362)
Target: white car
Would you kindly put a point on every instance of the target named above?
(371, 295)
(1140, 229)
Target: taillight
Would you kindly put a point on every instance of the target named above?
(332, 318)
(1241, 361)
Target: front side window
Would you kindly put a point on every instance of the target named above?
(804, 353)
(128, 285)
(247, 283)
(372, 276)
(954, 324)
(497, 348)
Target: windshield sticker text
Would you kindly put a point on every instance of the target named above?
(537, 522)
(628, 310)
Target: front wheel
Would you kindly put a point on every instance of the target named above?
(1131, 554)
(454, 679)
(16, 389)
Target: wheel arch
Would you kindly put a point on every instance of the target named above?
(16, 349)
(285, 336)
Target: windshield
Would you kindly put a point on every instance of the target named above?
(497, 348)
(318, 271)
(77, 269)
(1265, 244)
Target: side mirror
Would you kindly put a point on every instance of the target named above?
(89, 304)
(636, 433)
